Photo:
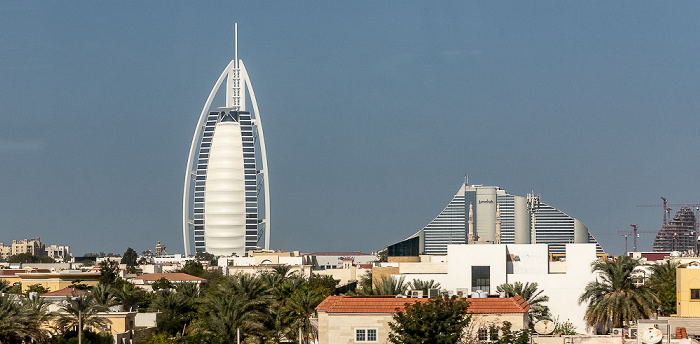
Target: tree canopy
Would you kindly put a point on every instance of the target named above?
(614, 300)
(435, 320)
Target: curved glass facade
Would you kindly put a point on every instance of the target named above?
(452, 225)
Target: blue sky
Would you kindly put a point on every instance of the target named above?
(373, 113)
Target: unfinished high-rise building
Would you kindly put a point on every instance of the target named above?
(678, 234)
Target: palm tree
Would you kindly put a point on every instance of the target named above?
(613, 299)
(534, 297)
(177, 311)
(238, 302)
(282, 270)
(299, 308)
(81, 309)
(388, 285)
(104, 297)
(128, 295)
(39, 314)
(223, 315)
(188, 289)
(423, 285)
(663, 282)
(23, 320)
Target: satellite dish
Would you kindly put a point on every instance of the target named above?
(544, 327)
(650, 335)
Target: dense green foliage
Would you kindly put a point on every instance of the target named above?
(22, 319)
(504, 335)
(36, 288)
(89, 337)
(436, 320)
(130, 258)
(614, 300)
(29, 258)
(109, 272)
(528, 291)
(663, 282)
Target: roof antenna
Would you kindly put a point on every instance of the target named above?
(466, 179)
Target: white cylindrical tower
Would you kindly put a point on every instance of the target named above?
(224, 193)
(580, 232)
(486, 213)
(521, 220)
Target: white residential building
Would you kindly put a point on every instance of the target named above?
(472, 268)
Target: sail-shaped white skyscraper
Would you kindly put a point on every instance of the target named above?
(226, 199)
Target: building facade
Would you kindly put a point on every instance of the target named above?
(489, 215)
(365, 319)
(32, 246)
(226, 203)
(474, 269)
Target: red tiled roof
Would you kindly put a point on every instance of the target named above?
(67, 291)
(364, 266)
(171, 276)
(354, 253)
(389, 304)
(12, 272)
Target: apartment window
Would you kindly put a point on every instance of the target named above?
(695, 294)
(481, 278)
(365, 335)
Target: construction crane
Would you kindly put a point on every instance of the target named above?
(667, 214)
(667, 210)
(635, 234)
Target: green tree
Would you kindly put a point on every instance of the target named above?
(663, 282)
(282, 270)
(507, 336)
(435, 320)
(192, 267)
(387, 285)
(23, 320)
(103, 296)
(128, 295)
(177, 310)
(84, 308)
(528, 291)
(565, 328)
(162, 283)
(109, 272)
(206, 257)
(613, 300)
(240, 302)
(299, 308)
(29, 258)
(36, 288)
(89, 337)
(417, 284)
(39, 315)
(130, 258)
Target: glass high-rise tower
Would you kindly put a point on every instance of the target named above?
(226, 200)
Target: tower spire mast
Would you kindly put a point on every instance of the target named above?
(235, 45)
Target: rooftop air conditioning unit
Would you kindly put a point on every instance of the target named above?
(618, 332)
(416, 293)
(633, 333)
(433, 292)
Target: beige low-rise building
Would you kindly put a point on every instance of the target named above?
(146, 280)
(360, 319)
(262, 261)
(58, 280)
